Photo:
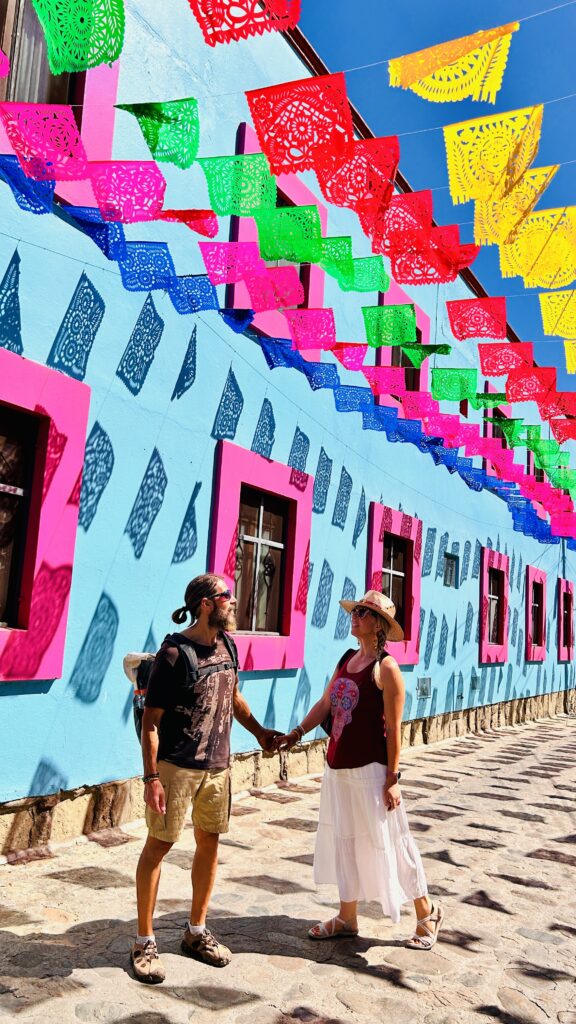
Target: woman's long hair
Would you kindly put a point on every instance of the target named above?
(198, 588)
(380, 645)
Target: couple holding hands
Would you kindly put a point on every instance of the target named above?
(363, 842)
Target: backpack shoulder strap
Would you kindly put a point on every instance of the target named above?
(188, 652)
(232, 649)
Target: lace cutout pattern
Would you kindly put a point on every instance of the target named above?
(81, 34)
(276, 288)
(171, 129)
(46, 140)
(472, 66)
(367, 274)
(336, 258)
(293, 119)
(191, 294)
(311, 328)
(229, 20)
(96, 652)
(139, 353)
(360, 519)
(530, 384)
(406, 221)
(229, 410)
(322, 479)
(390, 325)
(108, 236)
(386, 380)
(187, 374)
(187, 542)
(10, 327)
(239, 185)
(264, 435)
(77, 332)
(98, 466)
(367, 172)
(543, 250)
(128, 190)
(498, 360)
(477, 318)
(496, 221)
(148, 503)
(350, 355)
(31, 196)
(342, 502)
(290, 233)
(558, 311)
(488, 156)
(203, 222)
(22, 655)
(145, 266)
(229, 262)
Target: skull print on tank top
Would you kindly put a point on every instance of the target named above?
(358, 734)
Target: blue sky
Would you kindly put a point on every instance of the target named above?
(541, 67)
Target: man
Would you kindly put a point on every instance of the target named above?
(186, 753)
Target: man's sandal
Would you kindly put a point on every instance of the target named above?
(328, 930)
(436, 917)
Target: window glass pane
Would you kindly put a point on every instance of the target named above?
(567, 619)
(537, 613)
(30, 79)
(387, 584)
(398, 591)
(17, 450)
(249, 510)
(274, 519)
(269, 590)
(450, 570)
(399, 555)
(495, 591)
(244, 579)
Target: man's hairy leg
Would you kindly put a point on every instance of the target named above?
(204, 868)
(148, 880)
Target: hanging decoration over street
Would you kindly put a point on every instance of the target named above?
(239, 185)
(365, 172)
(498, 360)
(228, 20)
(171, 129)
(472, 66)
(46, 139)
(311, 328)
(570, 354)
(405, 223)
(544, 250)
(488, 155)
(366, 274)
(275, 288)
(230, 262)
(477, 318)
(496, 221)
(203, 222)
(294, 120)
(290, 233)
(31, 196)
(128, 190)
(390, 325)
(81, 34)
(438, 262)
(558, 311)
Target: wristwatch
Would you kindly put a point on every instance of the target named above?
(396, 776)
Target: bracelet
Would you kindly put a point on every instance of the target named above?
(151, 777)
(300, 730)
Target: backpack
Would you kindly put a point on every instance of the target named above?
(138, 668)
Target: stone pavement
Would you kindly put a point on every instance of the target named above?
(495, 817)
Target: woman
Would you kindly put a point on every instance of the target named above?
(363, 843)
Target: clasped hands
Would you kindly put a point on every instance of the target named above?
(272, 741)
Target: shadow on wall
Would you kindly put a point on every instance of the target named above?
(96, 653)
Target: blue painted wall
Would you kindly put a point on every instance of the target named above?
(151, 447)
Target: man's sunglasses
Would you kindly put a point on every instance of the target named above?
(227, 594)
(360, 611)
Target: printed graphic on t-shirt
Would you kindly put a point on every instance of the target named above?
(208, 719)
(344, 695)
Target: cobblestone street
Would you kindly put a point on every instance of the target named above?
(495, 817)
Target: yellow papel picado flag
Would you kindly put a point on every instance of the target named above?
(469, 67)
(544, 250)
(496, 221)
(487, 156)
(558, 311)
(570, 352)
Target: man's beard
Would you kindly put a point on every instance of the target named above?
(221, 619)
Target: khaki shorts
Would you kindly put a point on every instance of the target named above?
(209, 792)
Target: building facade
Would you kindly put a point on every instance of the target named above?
(148, 446)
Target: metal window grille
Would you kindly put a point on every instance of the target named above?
(567, 619)
(451, 570)
(537, 613)
(260, 561)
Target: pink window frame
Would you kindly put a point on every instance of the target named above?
(396, 296)
(53, 517)
(243, 229)
(534, 652)
(97, 130)
(406, 652)
(491, 654)
(565, 650)
(236, 466)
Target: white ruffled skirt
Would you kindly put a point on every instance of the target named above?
(363, 848)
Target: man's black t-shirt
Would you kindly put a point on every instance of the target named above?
(194, 731)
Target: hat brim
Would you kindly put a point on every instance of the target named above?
(395, 631)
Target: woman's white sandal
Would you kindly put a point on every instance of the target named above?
(320, 931)
(436, 916)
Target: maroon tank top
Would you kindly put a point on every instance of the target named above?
(358, 735)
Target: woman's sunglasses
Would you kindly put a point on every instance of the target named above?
(360, 611)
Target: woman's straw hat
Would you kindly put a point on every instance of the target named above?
(380, 605)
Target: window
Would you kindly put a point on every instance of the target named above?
(260, 558)
(535, 619)
(18, 437)
(495, 605)
(30, 79)
(399, 358)
(533, 470)
(394, 567)
(43, 416)
(494, 589)
(492, 428)
(395, 562)
(536, 613)
(260, 543)
(565, 620)
(451, 570)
